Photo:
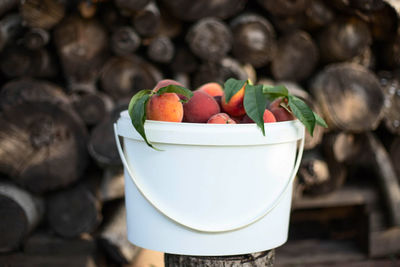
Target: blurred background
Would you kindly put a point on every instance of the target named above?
(67, 68)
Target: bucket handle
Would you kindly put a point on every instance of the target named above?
(208, 229)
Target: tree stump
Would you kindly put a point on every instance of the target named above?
(265, 258)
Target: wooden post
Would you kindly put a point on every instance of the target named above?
(265, 258)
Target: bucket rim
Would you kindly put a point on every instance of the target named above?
(186, 133)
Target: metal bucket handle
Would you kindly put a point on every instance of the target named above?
(208, 229)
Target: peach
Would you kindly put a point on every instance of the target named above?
(235, 105)
(280, 113)
(268, 117)
(213, 89)
(221, 118)
(164, 83)
(200, 107)
(165, 107)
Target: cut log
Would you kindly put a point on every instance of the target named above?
(287, 24)
(81, 45)
(92, 108)
(113, 238)
(346, 148)
(10, 27)
(389, 53)
(36, 38)
(284, 7)
(44, 144)
(18, 61)
(123, 76)
(7, 5)
(265, 258)
(310, 141)
(295, 58)
(318, 15)
(112, 184)
(344, 39)
(87, 9)
(187, 10)
(42, 13)
(124, 40)
(395, 155)
(20, 212)
(389, 182)
(73, 211)
(183, 78)
(169, 26)
(184, 61)
(366, 59)
(350, 97)
(102, 146)
(219, 72)
(383, 22)
(209, 39)
(391, 87)
(253, 39)
(161, 49)
(147, 21)
(132, 4)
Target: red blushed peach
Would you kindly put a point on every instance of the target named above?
(166, 107)
(200, 107)
(267, 117)
(235, 105)
(221, 118)
(164, 83)
(213, 89)
(280, 113)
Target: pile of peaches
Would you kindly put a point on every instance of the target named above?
(207, 105)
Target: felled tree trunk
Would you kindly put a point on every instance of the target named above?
(266, 258)
(295, 58)
(74, 211)
(344, 39)
(81, 45)
(186, 10)
(209, 39)
(42, 13)
(253, 39)
(123, 76)
(20, 213)
(113, 238)
(350, 97)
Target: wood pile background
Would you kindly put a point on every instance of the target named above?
(67, 68)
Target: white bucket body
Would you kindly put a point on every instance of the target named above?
(213, 190)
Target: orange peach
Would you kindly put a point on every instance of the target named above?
(221, 118)
(200, 107)
(235, 105)
(213, 89)
(166, 107)
(268, 117)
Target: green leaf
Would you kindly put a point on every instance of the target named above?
(138, 116)
(303, 112)
(231, 87)
(135, 98)
(320, 120)
(275, 91)
(255, 103)
(172, 88)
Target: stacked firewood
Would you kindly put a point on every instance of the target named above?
(68, 68)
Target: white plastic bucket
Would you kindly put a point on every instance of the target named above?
(215, 189)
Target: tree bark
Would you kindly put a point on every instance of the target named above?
(296, 57)
(123, 76)
(350, 97)
(253, 39)
(74, 211)
(186, 10)
(210, 39)
(42, 13)
(344, 39)
(265, 258)
(113, 237)
(20, 212)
